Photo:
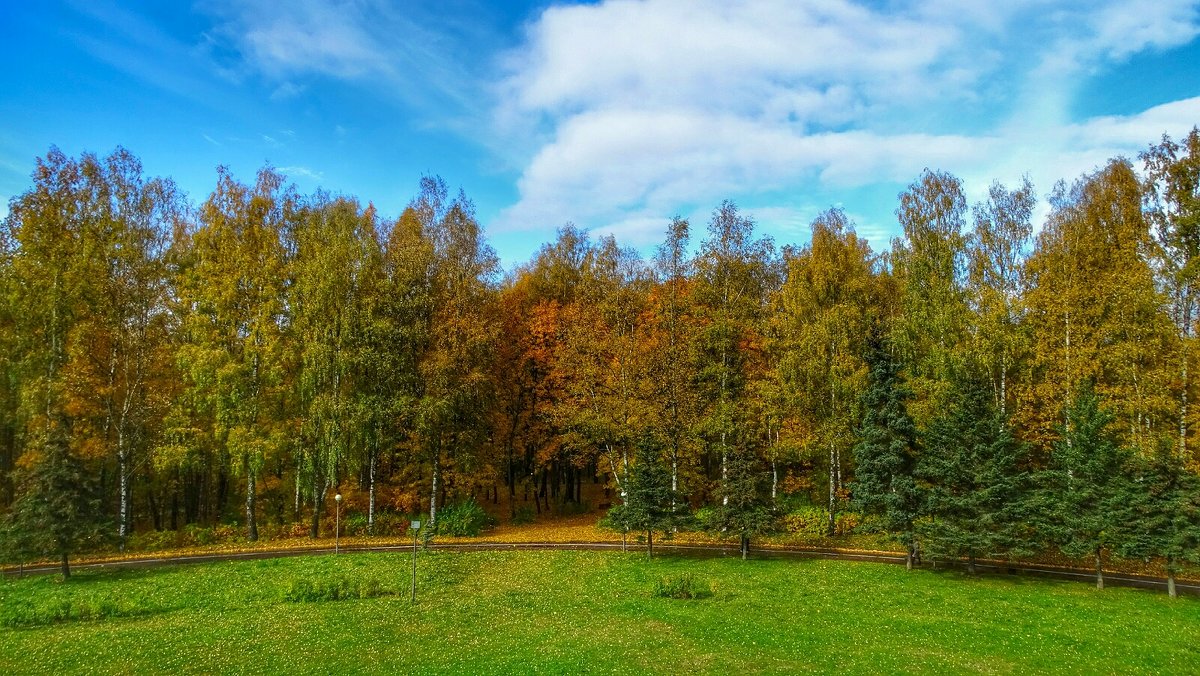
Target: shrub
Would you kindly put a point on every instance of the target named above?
(298, 529)
(573, 508)
(814, 522)
(523, 515)
(807, 521)
(355, 524)
(194, 534)
(870, 525)
(334, 589)
(55, 610)
(391, 523)
(463, 519)
(685, 586)
(846, 522)
(151, 541)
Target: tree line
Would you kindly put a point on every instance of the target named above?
(975, 389)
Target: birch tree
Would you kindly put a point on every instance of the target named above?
(451, 416)
(1172, 196)
(734, 273)
(232, 354)
(996, 284)
(823, 320)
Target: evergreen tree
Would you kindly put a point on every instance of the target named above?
(57, 512)
(651, 504)
(1165, 514)
(746, 510)
(886, 454)
(977, 484)
(1088, 483)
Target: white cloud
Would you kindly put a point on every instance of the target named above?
(302, 37)
(302, 172)
(398, 51)
(1125, 28)
(634, 110)
(287, 90)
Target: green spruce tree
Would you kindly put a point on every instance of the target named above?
(1088, 484)
(57, 512)
(886, 455)
(746, 508)
(651, 504)
(1165, 514)
(978, 487)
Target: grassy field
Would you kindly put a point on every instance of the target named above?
(554, 612)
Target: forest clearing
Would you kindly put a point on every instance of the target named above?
(554, 612)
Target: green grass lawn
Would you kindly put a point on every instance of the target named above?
(555, 612)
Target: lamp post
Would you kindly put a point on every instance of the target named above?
(414, 526)
(337, 521)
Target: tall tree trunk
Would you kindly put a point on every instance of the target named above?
(832, 491)
(372, 461)
(123, 490)
(296, 505)
(774, 477)
(175, 502)
(1099, 570)
(837, 462)
(674, 475)
(616, 475)
(649, 544)
(745, 546)
(155, 505)
(318, 501)
(1183, 408)
(433, 490)
(251, 502)
(971, 563)
(724, 470)
(66, 567)
(1171, 578)
(1183, 398)
(1004, 383)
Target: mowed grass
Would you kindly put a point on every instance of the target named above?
(574, 612)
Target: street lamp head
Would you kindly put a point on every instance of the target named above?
(338, 497)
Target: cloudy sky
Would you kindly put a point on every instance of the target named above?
(615, 115)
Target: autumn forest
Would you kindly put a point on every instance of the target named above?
(993, 384)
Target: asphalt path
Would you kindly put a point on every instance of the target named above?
(1079, 575)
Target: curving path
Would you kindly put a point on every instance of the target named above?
(1113, 579)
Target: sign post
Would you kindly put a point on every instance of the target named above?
(415, 526)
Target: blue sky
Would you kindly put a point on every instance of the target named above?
(615, 115)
